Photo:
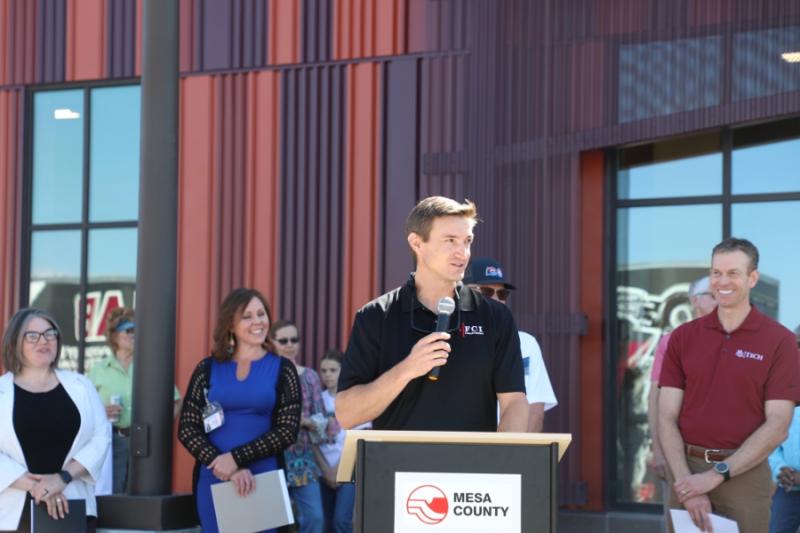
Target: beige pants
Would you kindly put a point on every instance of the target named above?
(745, 498)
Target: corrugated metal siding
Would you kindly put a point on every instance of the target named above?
(284, 32)
(312, 206)
(86, 40)
(11, 135)
(362, 194)
(121, 29)
(229, 35)
(18, 24)
(400, 168)
(228, 212)
(364, 28)
(51, 27)
(316, 21)
(496, 105)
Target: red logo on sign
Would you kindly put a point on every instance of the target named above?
(428, 503)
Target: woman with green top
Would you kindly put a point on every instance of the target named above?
(113, 378)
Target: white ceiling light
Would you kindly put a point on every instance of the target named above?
(66, 114)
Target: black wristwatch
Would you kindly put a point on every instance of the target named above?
(65, 476)
(724, 469)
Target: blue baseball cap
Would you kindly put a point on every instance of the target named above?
(486, 271)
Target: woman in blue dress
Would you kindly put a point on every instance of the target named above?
(259, 393)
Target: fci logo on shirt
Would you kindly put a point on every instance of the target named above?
(470, 330)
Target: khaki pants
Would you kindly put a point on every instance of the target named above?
(745, 498)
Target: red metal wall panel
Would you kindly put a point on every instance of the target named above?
(284, 32)
(11, 128)
(196, 250)
(86, 40)
(227, 209)
(364, 28)
(360, 236)
(4, 42)
(591, 395)
(18, 33)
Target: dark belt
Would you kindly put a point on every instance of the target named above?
(122, 432)
(710, 455)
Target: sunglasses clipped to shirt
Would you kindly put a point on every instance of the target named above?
(287, 340)
(502, 294)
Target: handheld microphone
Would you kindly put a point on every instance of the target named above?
(444, 308)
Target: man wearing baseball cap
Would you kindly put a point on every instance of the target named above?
(486, 275)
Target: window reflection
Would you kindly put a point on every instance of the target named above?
(691, 176)
(114, 162)
(111, 283)
(766, 168)
(57, 156)
(759, 54)
(54, 280)
(772, 226)
(665, 77)
(660, 251)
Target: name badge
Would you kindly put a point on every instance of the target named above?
(213, 415)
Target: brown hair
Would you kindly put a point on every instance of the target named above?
(115, 318)
(12, 338)
(333, 355)
(280, 324)
(732, 244)
(229, 312)
(420, 219)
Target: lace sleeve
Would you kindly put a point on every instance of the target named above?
(285, 420)
(191, 432)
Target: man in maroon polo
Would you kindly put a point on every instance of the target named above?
(729, 385)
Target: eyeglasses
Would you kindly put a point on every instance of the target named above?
(32, 337)
(130, 332)
(287, 340)
(502, 294)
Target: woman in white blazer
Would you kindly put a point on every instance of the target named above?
(54, 434)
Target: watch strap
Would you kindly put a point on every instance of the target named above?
(65, 476)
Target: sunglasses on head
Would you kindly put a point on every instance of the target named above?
(502, 294)
(287, 340)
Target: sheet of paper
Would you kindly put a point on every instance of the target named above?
(682, 523)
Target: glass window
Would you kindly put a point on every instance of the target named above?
(660, 251)
(759, 54)
(771, 226)
(83, 258)
(55, 280)
(692, 176)
(114, 167)
(766, 168)
(664, 245)
(665, 77)
(111, 277)
(58, 120)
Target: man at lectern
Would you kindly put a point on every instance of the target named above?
(415, 361)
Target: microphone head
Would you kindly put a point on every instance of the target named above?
(446, 306)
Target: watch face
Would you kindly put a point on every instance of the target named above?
(721, 467)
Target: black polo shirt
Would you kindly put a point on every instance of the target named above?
(484, 360)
